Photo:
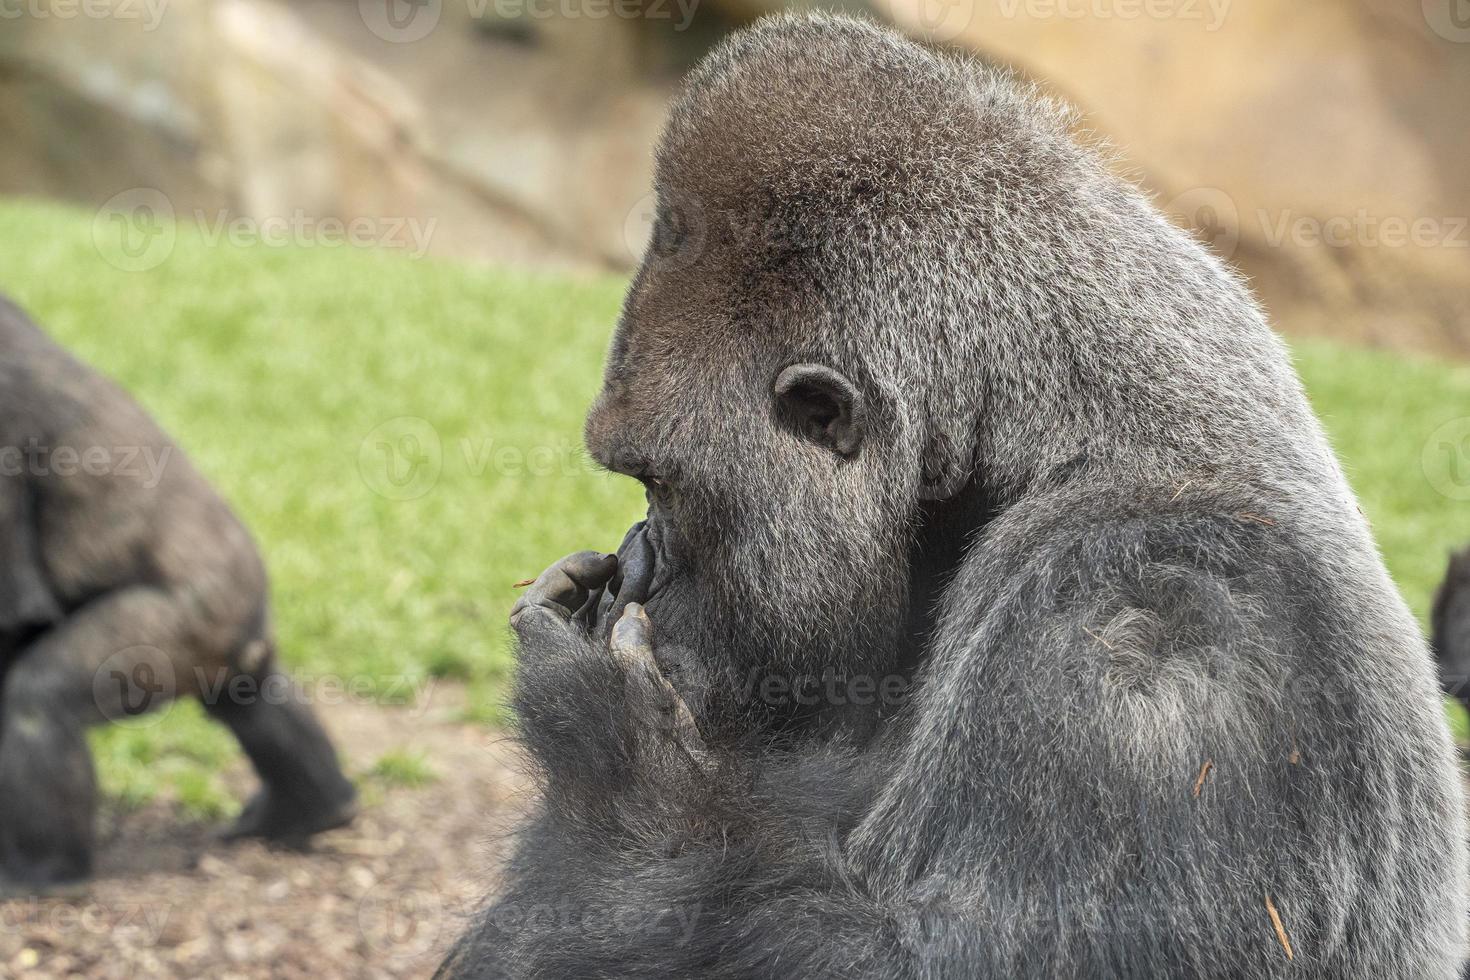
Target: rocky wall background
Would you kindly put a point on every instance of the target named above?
(1322, 145)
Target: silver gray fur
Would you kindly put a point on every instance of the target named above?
(1165, 684)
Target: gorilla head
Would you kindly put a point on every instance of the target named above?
(871, 315)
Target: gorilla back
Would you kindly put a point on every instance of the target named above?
(124, 581)
(920, 390)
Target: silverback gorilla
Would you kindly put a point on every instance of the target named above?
(1000, 611)
(1450, 621)
(124, 581)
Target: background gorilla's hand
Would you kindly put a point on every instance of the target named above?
(595, 709)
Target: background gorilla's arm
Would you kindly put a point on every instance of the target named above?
(26, 599)
(1051, 766)
(1450, 622)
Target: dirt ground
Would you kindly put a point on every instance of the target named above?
(383, 897)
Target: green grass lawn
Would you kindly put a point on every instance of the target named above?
(403, 436)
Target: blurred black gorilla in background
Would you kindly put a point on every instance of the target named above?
(125, 581)
(1450, 623)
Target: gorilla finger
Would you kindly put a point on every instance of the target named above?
(636, 561)
(589, 569)
(633, 532)
(632, 639)
(650, 694)
(553, 591)
(605, 601)
(587, 613)
(597, 575)
(567, 583)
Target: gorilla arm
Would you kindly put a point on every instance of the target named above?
(1171, 741)
(27, 603)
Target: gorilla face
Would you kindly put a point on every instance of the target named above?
(781, 382)
(778, 516)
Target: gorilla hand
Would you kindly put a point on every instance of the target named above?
(592, 588)
(560, 593)
(596, 712)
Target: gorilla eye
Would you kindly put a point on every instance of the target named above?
(655, 486)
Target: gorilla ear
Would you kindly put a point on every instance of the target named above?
(820, 404)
